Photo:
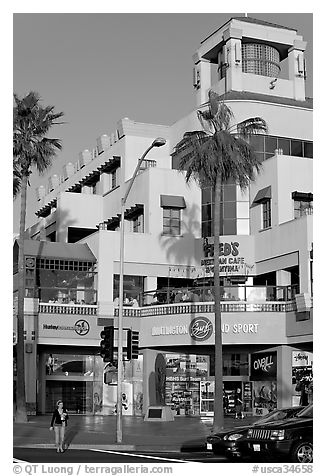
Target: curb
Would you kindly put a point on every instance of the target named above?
(113, 447)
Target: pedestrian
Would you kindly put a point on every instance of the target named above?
(59, 422)
(304, 392)
(238, 405)
(50, 364)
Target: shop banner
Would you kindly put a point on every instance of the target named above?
(236, 256)
(301, 358)
(198, 329)
(82, 330)
(263, 366)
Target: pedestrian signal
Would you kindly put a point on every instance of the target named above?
(132, 344)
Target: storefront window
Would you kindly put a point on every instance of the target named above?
(233, 364)
(184, 375)
(68, 364)
(133, 287)
(76, 379)
(65, 281)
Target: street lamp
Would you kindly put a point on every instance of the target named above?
(156, 143)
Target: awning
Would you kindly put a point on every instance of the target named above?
(173, 201)
(303, 196)
(286, 261)
(56, 250)
(262, 196)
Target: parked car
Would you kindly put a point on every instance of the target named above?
(290, 440)
(225, 442)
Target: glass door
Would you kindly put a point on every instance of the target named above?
(207, 398)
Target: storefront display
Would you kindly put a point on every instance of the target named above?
(79, 380)
(247, 397)
(183, 397)
(184, 376)
(263, 374)
(302, 377)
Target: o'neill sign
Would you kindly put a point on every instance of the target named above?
(263, 366)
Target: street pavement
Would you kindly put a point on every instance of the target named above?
(88, 457)
(184, 434)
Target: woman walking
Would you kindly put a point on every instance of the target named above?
(59, 423)
(238, 405)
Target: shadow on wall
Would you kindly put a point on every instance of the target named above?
(180, 250)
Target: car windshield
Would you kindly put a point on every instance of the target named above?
(305, 413)
(274, 416)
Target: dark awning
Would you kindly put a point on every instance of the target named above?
(173, 201)
(56, 250)
(305, 197)
(262, 196)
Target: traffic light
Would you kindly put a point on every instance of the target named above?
(132, 344)
(106, 344)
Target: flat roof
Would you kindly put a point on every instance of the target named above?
(251, 20)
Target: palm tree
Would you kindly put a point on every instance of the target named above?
(213, 156)
(31, 148)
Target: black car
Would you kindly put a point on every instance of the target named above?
(225, 442)
(289, 440)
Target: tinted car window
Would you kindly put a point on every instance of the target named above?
(306, 413)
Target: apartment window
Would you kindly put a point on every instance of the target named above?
(302, 208)
(171, 221)
(138, 224)
(302, 204)
(114, 178)
(267, 218)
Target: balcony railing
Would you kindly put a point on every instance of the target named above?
(146, 164)
(189, 308)
(247, 294)
(79, 309)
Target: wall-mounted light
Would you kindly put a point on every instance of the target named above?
(272, 84)
(237, 52)
(300, 63)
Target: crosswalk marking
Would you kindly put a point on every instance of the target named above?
(15, 460)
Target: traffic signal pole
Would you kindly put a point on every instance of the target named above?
(159, 142)
(120, 326)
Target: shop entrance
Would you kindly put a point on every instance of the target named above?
(76, 395)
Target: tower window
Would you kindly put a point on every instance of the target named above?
(171, 221)
(267, 217)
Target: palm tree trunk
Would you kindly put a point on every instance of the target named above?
(218, 422)
(21, 414)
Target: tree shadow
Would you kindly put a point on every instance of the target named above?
(180, 250)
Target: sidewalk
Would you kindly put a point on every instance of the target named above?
(99, 432)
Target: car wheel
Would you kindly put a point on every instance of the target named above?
(302, 452)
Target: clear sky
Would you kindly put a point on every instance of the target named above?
(100, 67)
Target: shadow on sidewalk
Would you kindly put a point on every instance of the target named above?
(70, 434)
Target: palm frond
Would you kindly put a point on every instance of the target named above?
(253, 125)
(31, 124)
(220, 111)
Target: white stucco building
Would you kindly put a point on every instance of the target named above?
(259, 70)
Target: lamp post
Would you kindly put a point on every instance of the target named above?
(156, 143)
